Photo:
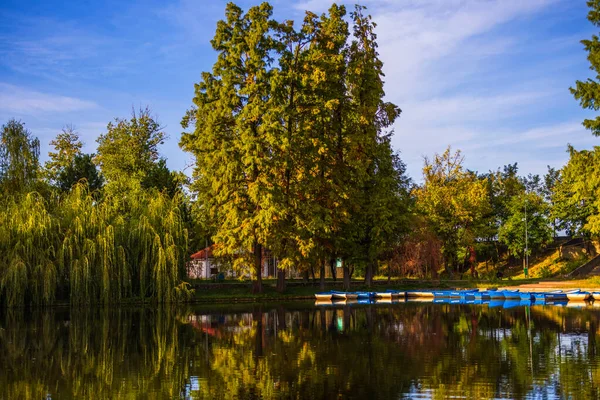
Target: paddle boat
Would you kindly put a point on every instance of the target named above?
(556, 295)
(364, 295)
(441, 294)
(343, 295)
(384, 295)
(384, 300)
(464, 293)
(324, 296)
(596, 295)
(397, 293)
(496, 294)
(525, 296)
(511, 294)
(539, 296)
(419, 293)
(578, 295)
(483, 295)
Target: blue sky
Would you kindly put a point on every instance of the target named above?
(489, 77)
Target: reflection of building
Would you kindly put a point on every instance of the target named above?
(204, 265)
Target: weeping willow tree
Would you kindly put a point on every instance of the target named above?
(77, 248)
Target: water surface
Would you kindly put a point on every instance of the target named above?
(301, 351)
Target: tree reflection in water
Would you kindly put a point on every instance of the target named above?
(300, 351)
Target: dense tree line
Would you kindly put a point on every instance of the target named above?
(291, 136)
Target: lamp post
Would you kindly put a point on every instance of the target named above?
(526, 269)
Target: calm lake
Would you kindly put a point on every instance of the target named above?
(302, 351)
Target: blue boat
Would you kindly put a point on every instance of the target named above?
(539, 296)
(483, 295)
(496, 294)
(464, 293)
(525, 296)
(365, 295)
(441, 294)
(511, 294)
(556, 295)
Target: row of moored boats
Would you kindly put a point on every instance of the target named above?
(556, 295)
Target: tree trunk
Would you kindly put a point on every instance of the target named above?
(280, 280)
(369, 274)
(257, 285)
(322, 275)
(332, 267)
(346, 276)
(312, 272)
(305, 276)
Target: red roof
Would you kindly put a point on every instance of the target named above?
(201, 255)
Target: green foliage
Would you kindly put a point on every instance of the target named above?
(19, 158)
(529, 213)
(128, 152)
(454, 201)
(588, 92)
(576, 194)
(67, 165)
(89, 251)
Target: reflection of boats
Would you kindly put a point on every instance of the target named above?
(323, 302)
(596, 295)
(525, 302)
(511, 303)
(495, 303)
(420, 299)
(577, 304)
(386, 300)
(324, 296)
(578, 295)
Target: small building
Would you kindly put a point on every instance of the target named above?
(202, 264)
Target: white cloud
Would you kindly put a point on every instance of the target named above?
(14, 99)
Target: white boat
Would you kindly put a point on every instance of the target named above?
(578, 295)
(323, 296)
(417, 293)
(596, 295)
(384, 295)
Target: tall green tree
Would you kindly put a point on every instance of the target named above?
(588, 92)
(378, 171)
(576, 195)
(19, 158)
(529, 222)
(454, 201)
(67, 164)
(128, 152)
(230, 140)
